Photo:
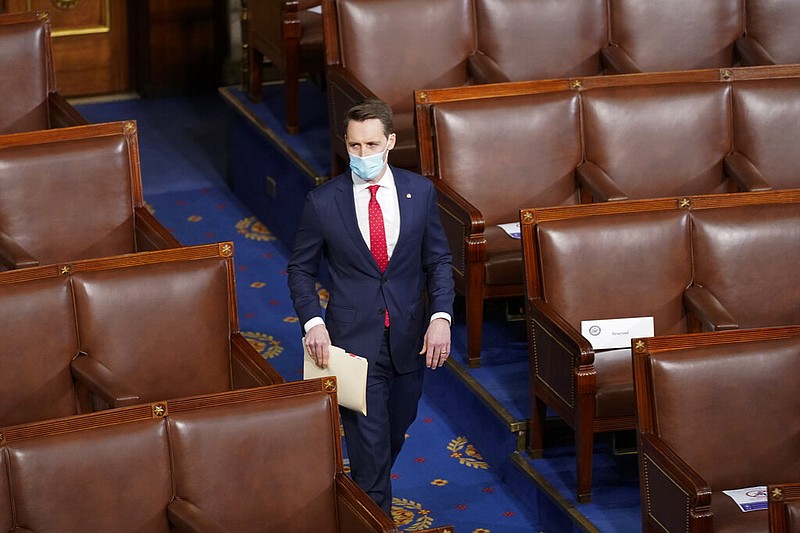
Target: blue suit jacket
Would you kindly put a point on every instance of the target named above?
(420, 265)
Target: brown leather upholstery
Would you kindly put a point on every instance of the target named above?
(290, 35)
(30, 101)
(706, 396)
(51, 179)
(385, 48)
(6, 516)
(541, 39)
(37, 343)
(766, 119)
(784, 507)
(174, 339)
(252, 460)
(659, 140)
(114, 478)
(484, 180)
(278, 501)
(128, 329)
(747, 259)
(771, 33)
(648, 35)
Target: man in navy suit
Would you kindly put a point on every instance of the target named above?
(377, 228)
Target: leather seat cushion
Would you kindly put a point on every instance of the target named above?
(503, 257)
(615, 395)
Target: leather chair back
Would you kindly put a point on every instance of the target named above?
(615, 266)
(766, 124)
(727, 400)
(396, 46)
(773, 23)
(268, 483)
(503, 154)
(661, 35)
(64, 199)
(28, 77)
(37, 342)
(165, 327)
(747, 258)
(541, 39)
(129, 468)
(660, 140)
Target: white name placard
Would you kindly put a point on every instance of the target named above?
(616, 332)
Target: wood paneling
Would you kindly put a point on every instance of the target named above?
(90, 43)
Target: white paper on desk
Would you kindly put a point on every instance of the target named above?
(616, 332)
(512, 229)
(351, 376)
(749, 499)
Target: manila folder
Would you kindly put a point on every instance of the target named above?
(351, 376)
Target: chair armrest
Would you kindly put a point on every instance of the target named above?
(186, 517)
(751, 53)
(483, 69)
(463, 224)
(617, 61)
(559, 354)
(357, 512)
(674, 494)
(62, 113)
(248, 368)
(567, 339)
(707, 309)
(739, 168)
(13, 256)
(150, 233)
(598, 183)
(102, 382)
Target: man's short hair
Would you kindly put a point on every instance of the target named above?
(369, 109)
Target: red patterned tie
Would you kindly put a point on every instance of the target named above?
(377, 236)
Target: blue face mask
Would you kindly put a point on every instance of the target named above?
(367, 168)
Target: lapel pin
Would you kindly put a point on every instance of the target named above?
(408, 195)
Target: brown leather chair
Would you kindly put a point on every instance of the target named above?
(494, 156)
(209, 463)
(654, 141)
(745, 263)
(161, 324)
(28, 92)
(91, 474)
(784, 507)
(589, 262)
(714, 415)
(652, 35)
(541, 39)
(52, 179)
(289, 34)
(388, 49)
(771, 36)
(766, 119)
(38, 341)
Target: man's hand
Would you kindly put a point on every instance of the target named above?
(436, 344)
(318, 342)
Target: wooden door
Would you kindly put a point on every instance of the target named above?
(90, 43)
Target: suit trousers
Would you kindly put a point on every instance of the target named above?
(374, 441)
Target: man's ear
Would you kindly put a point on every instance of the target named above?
(392, 140)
